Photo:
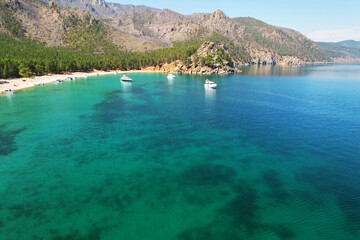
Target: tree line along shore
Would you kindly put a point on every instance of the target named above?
(26, 58)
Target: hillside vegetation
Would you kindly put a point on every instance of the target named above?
(23, 58)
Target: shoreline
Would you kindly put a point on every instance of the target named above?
(17, 84)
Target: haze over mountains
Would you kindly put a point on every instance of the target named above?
(141, 28)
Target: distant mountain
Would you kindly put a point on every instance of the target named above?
(81, 23)
(345, 51)
(349, 44)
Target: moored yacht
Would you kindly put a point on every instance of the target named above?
(170, 76)
(126, 78)
(210, 84)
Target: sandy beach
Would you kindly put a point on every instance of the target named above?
(16, 84)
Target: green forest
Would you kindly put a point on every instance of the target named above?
(25, 58)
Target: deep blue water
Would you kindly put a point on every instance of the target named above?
(273, 153)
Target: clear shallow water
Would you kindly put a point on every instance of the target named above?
(273, 153)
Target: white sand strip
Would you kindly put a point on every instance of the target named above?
(16, 84)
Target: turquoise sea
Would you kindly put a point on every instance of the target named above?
(273, 153)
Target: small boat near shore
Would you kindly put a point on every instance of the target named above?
(170, 76)
(125, 78)
(58, 80)
(210, 84)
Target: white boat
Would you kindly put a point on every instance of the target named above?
(170, 76)
(210, 84)
(126, 78)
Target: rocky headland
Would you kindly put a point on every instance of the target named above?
(210, 58)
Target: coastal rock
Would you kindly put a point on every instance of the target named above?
(264, 57)
(289, 60)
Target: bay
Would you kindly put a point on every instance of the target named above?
(272, 153)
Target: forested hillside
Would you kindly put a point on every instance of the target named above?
(23, 58)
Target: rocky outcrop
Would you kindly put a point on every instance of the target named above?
(222, 24)
(289, 60)
(210, 58)
(264, 57)
(207, 48)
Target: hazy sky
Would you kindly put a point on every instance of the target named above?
(321, 20)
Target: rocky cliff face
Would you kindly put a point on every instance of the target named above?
(51, 24)
(164, 25)
(39, 21)
(222, 24)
